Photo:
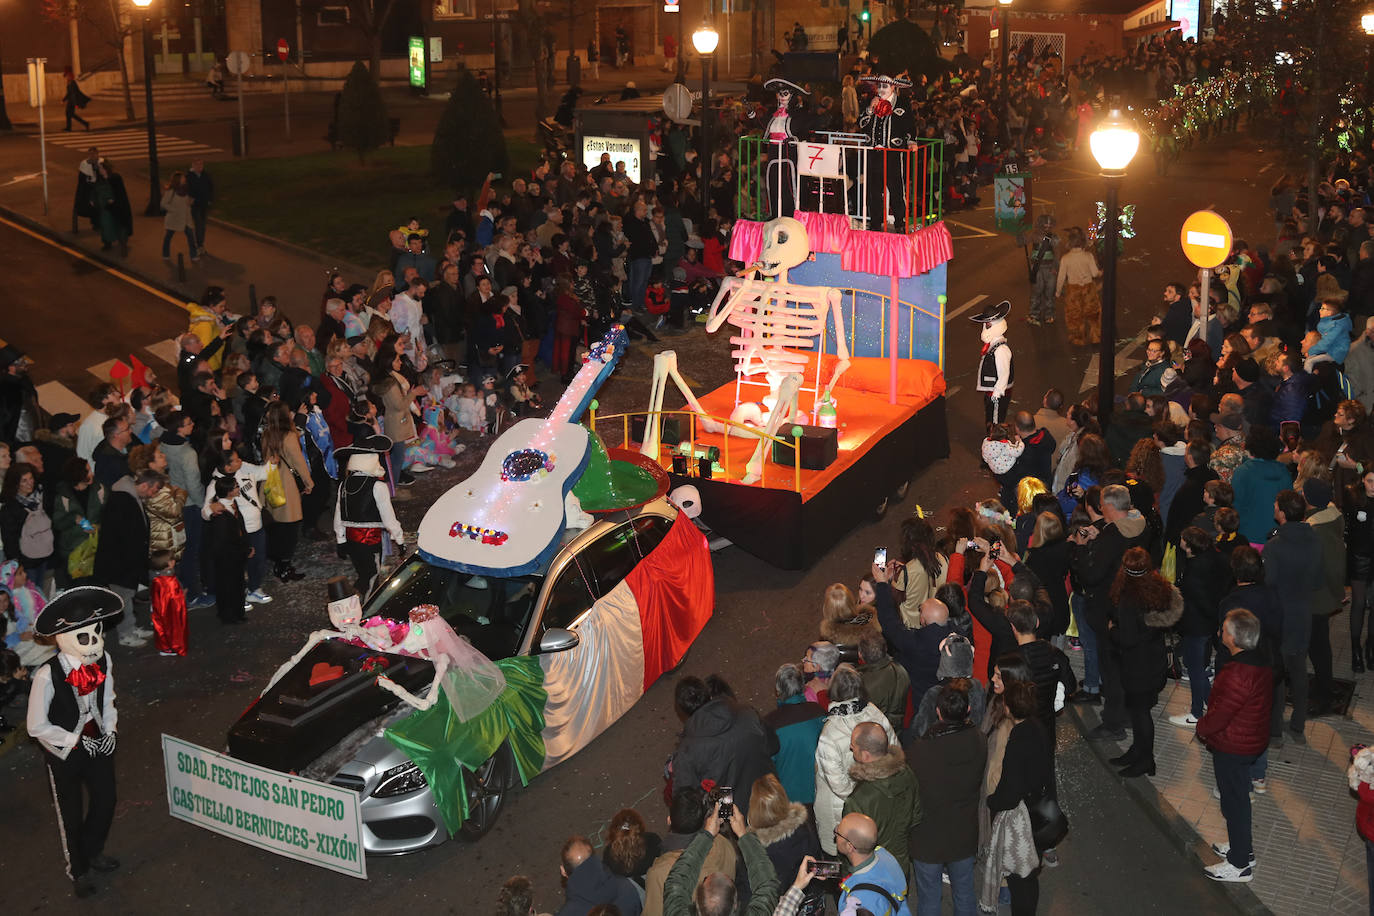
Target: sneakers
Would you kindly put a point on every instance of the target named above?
(419, 468)
(199, 602)
(1228, 873)
(132, 642)
(1050, 858)
(144, 633)
(1033, 321)
(1224, 850)
(1259, 786)
(1186, 720)
(258, 596)
(447, 462)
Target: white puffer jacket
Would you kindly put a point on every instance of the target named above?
(833, 761)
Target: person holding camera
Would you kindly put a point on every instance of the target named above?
(686, 891)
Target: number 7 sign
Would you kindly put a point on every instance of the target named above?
(819, 159)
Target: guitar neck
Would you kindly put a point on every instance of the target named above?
(601, 360)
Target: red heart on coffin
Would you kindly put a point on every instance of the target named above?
(323, 672)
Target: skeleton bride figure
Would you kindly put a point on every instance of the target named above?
(468, 678)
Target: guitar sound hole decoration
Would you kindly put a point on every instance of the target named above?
(525, 464)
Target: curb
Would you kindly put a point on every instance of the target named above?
(1184, 838)
(300, 250)
(98, 256)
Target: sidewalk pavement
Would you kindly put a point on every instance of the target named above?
(1310, 860)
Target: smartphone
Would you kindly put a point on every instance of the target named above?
(726, 799)
(880, 556)
(827, 869)
(995, 548)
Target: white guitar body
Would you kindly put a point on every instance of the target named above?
(505, 520)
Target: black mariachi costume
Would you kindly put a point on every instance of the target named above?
(891, 127)
(995, 409)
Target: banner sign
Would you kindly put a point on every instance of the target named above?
(819, 159)
(298, 818)
(622, 149)
(1012, 200)
(416, 48)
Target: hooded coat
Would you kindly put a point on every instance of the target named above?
(1095, 563)
(1256, 482)
(788, 841)
(725, 741)
(797, 723)
(1139, 636)
(1329, 525)
(833, 760)
(886, 790)
(592, 884)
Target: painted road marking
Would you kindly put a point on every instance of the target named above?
(179, 303)
(117, 143)
(950, 316)
(165, 350)
(953, 391)
(55, 398)
(102, 370)
(976, 232)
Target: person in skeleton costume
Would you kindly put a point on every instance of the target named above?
(345, 613)
(72, 715)
(786, 125)
(1044, 272)
(363, 510)
(995, 370)
(467, 677)
(890, 128)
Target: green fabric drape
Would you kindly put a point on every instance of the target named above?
(444, 748)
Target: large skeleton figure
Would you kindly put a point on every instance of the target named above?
(779, 323)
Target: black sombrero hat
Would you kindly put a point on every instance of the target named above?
(76, 608)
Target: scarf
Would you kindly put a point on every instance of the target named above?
(86, 678)
(882, 108)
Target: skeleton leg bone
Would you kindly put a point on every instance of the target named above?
(783, 409)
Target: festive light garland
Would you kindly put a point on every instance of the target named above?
(1200, 104)
(1125, 226)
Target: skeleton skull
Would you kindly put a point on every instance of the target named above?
(687, 499)
(345, 614)
(366, 464)
(785, 245)
(86, 644)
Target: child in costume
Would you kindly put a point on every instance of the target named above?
(467, 408)
(25, 604)
(168, 610)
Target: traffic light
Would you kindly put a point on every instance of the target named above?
(863, 16)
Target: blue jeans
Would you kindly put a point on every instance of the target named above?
(1260, 768)
(1195, 660)
(1092, 677)
(257, 563)
(638, 273)
(928, 888)
(188, 571)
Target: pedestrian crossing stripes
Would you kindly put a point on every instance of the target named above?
(120, 144)
(55, 397)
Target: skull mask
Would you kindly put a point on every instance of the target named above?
(86, 644)
(344, 614)
(688, 499)
(785, 245)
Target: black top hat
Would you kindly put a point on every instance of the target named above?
(368, 445)
(778, 82)
(76, 608)
(992, 312)
(340, 589)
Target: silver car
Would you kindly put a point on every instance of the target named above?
(335, 734)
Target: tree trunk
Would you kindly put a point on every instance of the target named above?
(374, 61)
(1314, 147)
(121, 34)
(532, 24)
(755, 37)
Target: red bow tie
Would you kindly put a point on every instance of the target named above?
(882, 108)
(86, 678)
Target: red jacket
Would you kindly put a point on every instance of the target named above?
(1364, 812)
(1237, 717)
(336, 412)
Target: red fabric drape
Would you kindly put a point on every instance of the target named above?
(168, 613)
(675, 588)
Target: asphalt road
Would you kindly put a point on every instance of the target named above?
(1115, 860)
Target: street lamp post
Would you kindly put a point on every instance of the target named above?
(1004, 39)
(705, 40)
(1114, 144)
(154, 207)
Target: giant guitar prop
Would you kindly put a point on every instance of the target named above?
(505, 520)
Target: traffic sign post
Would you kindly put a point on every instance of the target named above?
(283, 52)
(1206, 239)
(238, 62)
(38, 95)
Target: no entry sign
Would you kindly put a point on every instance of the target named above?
(1206, 239)
(283, 49)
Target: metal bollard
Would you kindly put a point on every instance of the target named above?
(181, 267)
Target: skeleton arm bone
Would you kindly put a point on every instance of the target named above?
(431, 696)
(841, 345)
(314, 639)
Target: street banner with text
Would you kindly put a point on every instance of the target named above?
(294, 817)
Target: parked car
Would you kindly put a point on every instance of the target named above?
(559, 613)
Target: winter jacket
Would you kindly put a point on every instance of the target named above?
(292, 459)
(990, 619)
(1238, 708)
(727, 742)
(1335, 338)
(685, 873)
(833, 760)
(1050, 564)
(121, 552)
(886, 790)
(166, 524)
(69, 508)
(849, 632)
(788, 841)
(914, 585)
(797, 723)
(1035, 461)
(592, 884)
(13, 516)
(1174, 468)
(1187, 502)
(1095, 563)
(1203, 581)
(1329, 525)
(1293, 567)
(882, 869)
(720, 858)
(398, 421)
(1257, 481)
(1150, 378)
(177, 209)
(1359, 369)
(1050, 670)
(1262, 601)
(1139, 637)
(1359, 529)
(926, 719)
(948, 764)
(1027, 768)
(1290, 399)
(889, 688)
(916, 650)
(183, 467)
